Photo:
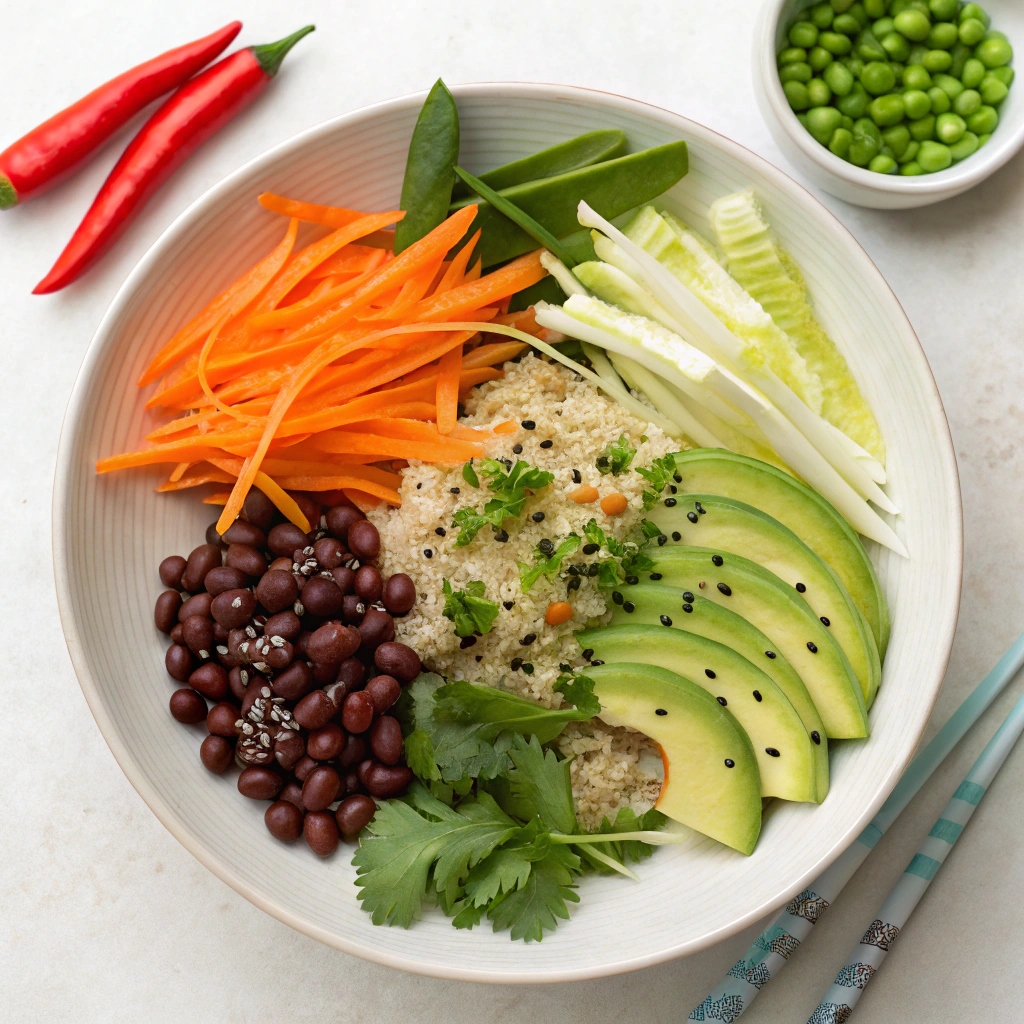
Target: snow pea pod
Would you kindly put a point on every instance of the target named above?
(582, 151)
(430, 167)
(612, 188)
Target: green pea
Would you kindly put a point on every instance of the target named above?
(898, 67)
(838, 79)
(796, 73)
(917, 103)
(923, 128)
(822, 122)
(803, 33)
(942, 36)
(819, 58)
(796, 93)
(883, 164)
(819, 94)
(836, 43)
(869, 48)
(841, 6)
(840, 142)
(886, 111)
(897, 139)
(802, 118)
(859, 11)
(967, 145)
(913, 24)
(917, 54)
(899, 6)
(951, 86)
(994, 53)
(847, 123)
(982, 139)
(972, 32)
(934, 156)
(993, 92)
(961, 55)
(938, 100)
(983, 121)
(911, 169)
(949, 128)
(874, 8)
(877, 78)
(936, 61)
(1003, 74)
(910, 153)
(863, 149)
(847, 24)
(895, 46)
(882, 27)
(969, 11)
(967, 102)
(867, 128)
(917, 77)
(792, 55)
(821, 15)
(855, 102)
(972, 74)
(943, 10)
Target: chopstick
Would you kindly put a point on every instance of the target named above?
(873, 948)
(774, 946)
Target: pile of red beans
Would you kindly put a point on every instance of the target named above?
(292, 638)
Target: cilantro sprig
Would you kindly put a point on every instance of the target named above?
(548, 564)
(471, 612)
(627, 558)
(659, 475)
(509, 485)
(616, 457)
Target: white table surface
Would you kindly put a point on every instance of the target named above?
(103, 916)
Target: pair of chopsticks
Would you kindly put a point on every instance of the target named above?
(773, 947)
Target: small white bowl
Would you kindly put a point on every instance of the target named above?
(858, 185)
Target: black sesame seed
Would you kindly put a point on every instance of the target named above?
(660, 711)
(564, 668)
(427, 553)
(812, 647)
(516, 664)
(769, 654)
(466, 641)
(528, 425)
(597, 661)
(479, 657)
(772, 752)
(673, 488)
(687, 596)
(546, 546)
(725, 589)
(538, 517)
(508, 605)
(441, 531)
(678, 479)
(730, 763)
(629, 607)
(816, 737)
(655, 575)
(757, 696)
(517, 449)
(632, 580)
(547, 444)
(594, 569)
(662, 540)
(573, 570)
(507, 463)
(676, 535)
(501, 536)
(666, 621)
(528, 639)
(419, 486)
(722, 701)
(700, 508)
(825, 622)
(800, 588)
(709, 673)
(573, 584)
(687, 608)
(692, 516)
(588, 654)
(453, 490)
(576, 477)
(528, 669)
(590, 549)
(717, 559)
(669, 502)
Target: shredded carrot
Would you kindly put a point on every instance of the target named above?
(447, 394)
(220, 498)
(313, 213)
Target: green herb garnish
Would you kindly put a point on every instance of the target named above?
(548, 564)
(469, 474)
(659, 476)
(471, 612)
(509, 486)
(578, 690)
(616, 457)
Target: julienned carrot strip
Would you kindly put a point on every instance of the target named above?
(505, 427)
(231, 301)
(353, 259)
(474, 272)
(311, 213)
(340, 482)
(446, 396)
(399, 428)
(491, 355)
(469, 379)
(344, 442)
(179, 471)
(213, 476)
(457, 268)
(194, 451)
(220, 498)
(362, 501)
(285, 503)
(411, 292)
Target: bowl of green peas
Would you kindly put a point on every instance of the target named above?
(891, 104)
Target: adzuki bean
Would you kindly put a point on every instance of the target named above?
(258, 783)
(211, 680)
(171, 569)
(233, 608)
(383, 781)
(284, 538)
(325, 743)
(277, 590)
(221, 718)
(369, 584)
(294, 682)
(357, 712)
(284, 821)
(187, 706)
(329, 552)
(246, 558)
(292, 792)
(344, 579)
(289, 747)
(286, 625)
(363, 540)
(321, 831)
(179, 662)
(217, 754)
(352, 672)
(303, 767)
(241, 532)
(340, 519)
(200, 561)
(353, 752)
(399, 594)
(398, 660)
(197, 632)
(224, 577)
(165, 614)
(386, 740)
(354, 813)
(376, 628)
(383, 691)
(320, 788)
(315, 710)
(259, 510)
(322, 597)
(197, 604)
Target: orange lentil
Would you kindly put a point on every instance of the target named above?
(613, 504)
(584, 495)
(557, 613)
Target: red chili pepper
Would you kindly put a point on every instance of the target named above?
(194, 113)
(50, 152)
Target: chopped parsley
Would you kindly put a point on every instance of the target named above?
(471, 612)
(547, 565)
(627, 557)
(578, 690)
(616, 457)
(509, 486)
(659, 476)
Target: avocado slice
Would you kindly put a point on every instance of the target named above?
(650, 601)
(712, 521)
(711, 778)
(813, 519)
(780, 612)
(783, 748)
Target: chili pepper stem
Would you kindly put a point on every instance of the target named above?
(270, 55)
(8, 195)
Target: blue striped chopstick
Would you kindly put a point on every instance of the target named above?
(773, 947)
(873, 948)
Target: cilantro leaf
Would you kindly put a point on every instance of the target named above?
(471, 612)
(542, 900)
(420, 757)
(539, 786)
(469, 474)
(508, 867)
(659, 476)
(627, 557)
(627, 820)
(616, 457)
(548, 564)
(579, 691)
(509, 486)
(491, 711)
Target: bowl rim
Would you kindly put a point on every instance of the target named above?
(72, 424)
(997, 152)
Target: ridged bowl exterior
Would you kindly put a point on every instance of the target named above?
(111, 532)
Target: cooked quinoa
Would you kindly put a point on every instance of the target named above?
(612, 767)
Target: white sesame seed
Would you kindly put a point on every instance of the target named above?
(236, 603)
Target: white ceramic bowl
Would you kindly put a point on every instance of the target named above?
(110, 533)
(857, 184)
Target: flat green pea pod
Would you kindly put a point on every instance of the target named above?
(840, 79)
(582, 151)
(867, 141)
(934, 156)
(840, 143)
(967, 146)
(611, 188)
(430, 167)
